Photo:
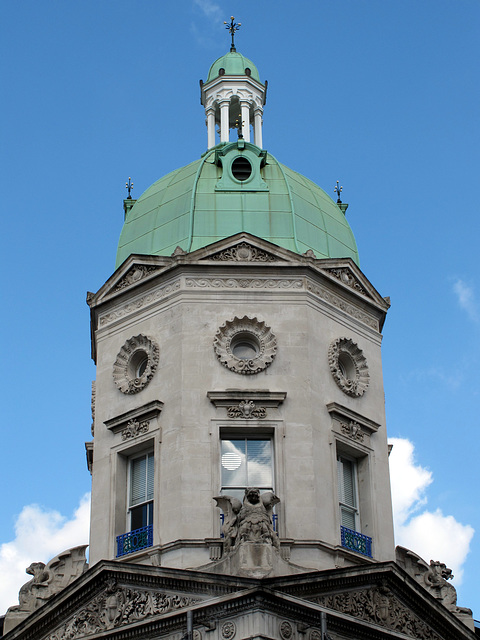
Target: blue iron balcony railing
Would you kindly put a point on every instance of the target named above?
(356, 541)
(274, 522)
(134, 540)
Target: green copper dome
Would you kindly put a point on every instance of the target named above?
(235, 187)
(234, 64)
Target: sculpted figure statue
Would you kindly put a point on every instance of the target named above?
(250, 521)
(47, 580)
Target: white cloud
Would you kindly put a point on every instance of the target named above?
(209, 9)
(430, 534)
(40, 535)
(466, 299)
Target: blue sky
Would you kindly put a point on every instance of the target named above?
(381, 95)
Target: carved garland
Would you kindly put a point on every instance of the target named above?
(348, 366)
(250, 331)
(136, 364)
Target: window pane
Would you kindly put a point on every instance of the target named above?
(138, 518)
(234, 468)
(138, 480)
(259, 463)
(348, 518)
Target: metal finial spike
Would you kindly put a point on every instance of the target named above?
(129, 187)
(338, 191)
(232, 27)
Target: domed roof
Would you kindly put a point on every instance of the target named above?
(234, 64)
(235, 187)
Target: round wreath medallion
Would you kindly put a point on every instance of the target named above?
(228, 630)
(286, 630)
(245, 345)
(136, 363)
(348, 366)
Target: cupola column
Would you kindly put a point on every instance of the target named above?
(224, 120)
(257, 127)
(245, 106)
(211, 127)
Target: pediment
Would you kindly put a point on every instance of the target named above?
(348, 275)
(242, 249)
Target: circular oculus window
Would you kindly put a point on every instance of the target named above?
(245, 345)
(349, 367)
(136, 364)
(241, 168)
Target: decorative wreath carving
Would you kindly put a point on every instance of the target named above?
(136, 364)
(349, 367)
(259, 342)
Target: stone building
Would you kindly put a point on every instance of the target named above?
(239, 459)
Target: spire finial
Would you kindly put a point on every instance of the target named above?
(232, 27)
(129, 187)
(338, 191)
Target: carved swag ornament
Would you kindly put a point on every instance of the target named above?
(117, 606)
(135, 428)
(247, 409)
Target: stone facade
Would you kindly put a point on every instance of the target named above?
(192, 306)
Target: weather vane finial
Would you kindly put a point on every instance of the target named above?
(129, 187)
(338, 191)
(232, 27)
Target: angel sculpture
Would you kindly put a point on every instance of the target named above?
(250, 521)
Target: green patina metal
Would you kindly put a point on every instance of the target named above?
(203, 202)
(234, 64)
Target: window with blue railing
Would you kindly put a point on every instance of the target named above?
(351, 537)
(140, 505)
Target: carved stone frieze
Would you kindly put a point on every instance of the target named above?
(342, 304)
(135, 428)
(243, 283)
(117, 606)
(135, 274)
(243, 252)
(136, 364)
(353, 430)
(245, 345)
(137, 304)
(346, 277)
(349, 367)
(247, 409)
(379, 606)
